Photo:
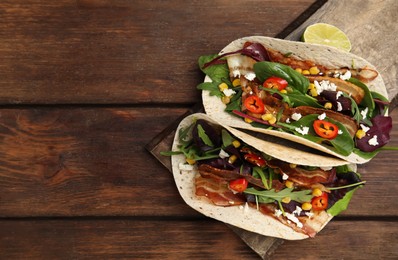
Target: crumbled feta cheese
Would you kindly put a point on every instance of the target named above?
(296, 116)
(373, 141)
(185, 167)
(346, 75)
(324, 85)
(322, 116)
(250, 76)
(294, 219)
(302, 130)
(309, 214)
(338, 94)
(278, 212)
(336, 74)
(364, 113)
(364, 128)
(288, 120)
(223, 154)
(236, 73)
(339, 106)
(340, 132)
(285, 176)
(297, 211)
(229, 92)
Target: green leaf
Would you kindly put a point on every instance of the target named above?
(296, 80)
(212, 87)
(236, 101)
(265, 196)
(341, 204)
(227, 139)
(257, 171)
(217, 72)
(367, 101)
(205, 138)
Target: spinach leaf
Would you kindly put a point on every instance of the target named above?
(341, 204)
(367, 101)
(227, 139)
(217, 72)
(266, 69)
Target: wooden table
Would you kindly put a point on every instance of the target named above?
(85, 85)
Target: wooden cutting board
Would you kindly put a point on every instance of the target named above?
(371, 27)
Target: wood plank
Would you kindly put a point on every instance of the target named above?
(132, 238)
(76, 161)
(103, 51)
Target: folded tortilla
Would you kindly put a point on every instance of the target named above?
(243, 217)
(327, 56)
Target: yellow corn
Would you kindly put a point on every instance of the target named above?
(306, 206)
(284, 91)
(267, 117)
(299, 70)
(360, 133)
(272, 120)
(293, 165)
(311, 86)
(286, 199)
(248, 120)
(226, 99)
(316, 192)
(236, 82)
(190, 161)
(232, 159)
(236, 143)
(305, 72)
(289, 184)
(223, 86)
(314, 71)
(328, 105)
(313, 92)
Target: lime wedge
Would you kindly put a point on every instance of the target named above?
(326, 34)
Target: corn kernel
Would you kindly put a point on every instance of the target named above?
(314, 71)
(226, 99)
(289, 184)
(272, 120)
(293, 165)
(283, 91)
(236, 82)
(236, 143)
(311, 86)
(299, 70)
(267, 117)
(360, 133)
(190, 161)
(316, 192)
(248, 120)
(286, 199)
(328, 105)
(223, 86)
(305, 72)
(306, 206)
(232, 159)
(313, 92)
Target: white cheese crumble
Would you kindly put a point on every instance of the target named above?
(278, 212)
(340, 132)
(324, 85)
(185, 167)
(338, 94)
(373, 141)
(294, 219)
(297, 211)
(364, 113)
(309, 214)
(346, 76)
(364, 128)
(288, 120)
(285, 176)
(339, 106)
(322, 116)
(296, 116)
(302, 130)
(229, 92)
(250, 76)
(223, 154)
(236, 73)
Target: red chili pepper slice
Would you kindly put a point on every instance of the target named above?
(320, 202)
(254, 104)
(275, 82)
(255, 159)
(325, 129)
(238, 185)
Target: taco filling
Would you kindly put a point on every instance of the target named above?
(230, 173)
(331, 106)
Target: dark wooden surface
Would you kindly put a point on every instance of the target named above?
(86, 84)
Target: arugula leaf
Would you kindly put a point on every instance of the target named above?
(266, 69)
(296, 98)
(217, 72)
(257, 171)
(267, 196)
(236, 101)
(212, 87)
(227, 139)
(341, 204)
(205, 138)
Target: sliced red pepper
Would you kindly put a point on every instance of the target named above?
(275, 82)
(325, 129)
(255, 159)
(238, 185)
(320, 202)
(254, 104)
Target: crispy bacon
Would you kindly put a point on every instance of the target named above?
(217, 192)
(303, 177)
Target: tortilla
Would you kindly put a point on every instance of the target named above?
(243, 217)
(327, 56)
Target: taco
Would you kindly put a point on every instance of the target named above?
(221, 176)
(318, 96)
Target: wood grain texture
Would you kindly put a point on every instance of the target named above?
(103, 51)
(369, 26)
(92, 162)
(157, 239)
